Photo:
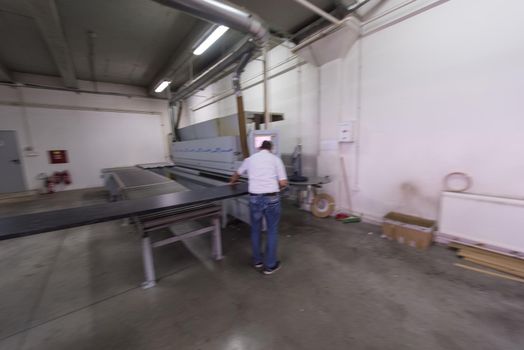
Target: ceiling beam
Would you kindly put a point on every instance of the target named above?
(5, 73)
(45, 13)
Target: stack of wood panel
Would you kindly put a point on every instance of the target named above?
(504, 263)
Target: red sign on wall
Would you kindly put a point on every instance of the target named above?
(58, 157)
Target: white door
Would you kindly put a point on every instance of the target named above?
(11, 175)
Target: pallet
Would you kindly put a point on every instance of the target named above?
(500, 262)
(491, 273)
(484, 248)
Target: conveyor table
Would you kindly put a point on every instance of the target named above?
(134, 183)
(149, 212)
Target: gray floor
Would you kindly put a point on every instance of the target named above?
(340, 288)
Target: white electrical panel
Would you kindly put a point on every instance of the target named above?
(345, 131)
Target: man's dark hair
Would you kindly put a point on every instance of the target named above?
(267, 145)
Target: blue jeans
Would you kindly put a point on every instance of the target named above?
(268, 207)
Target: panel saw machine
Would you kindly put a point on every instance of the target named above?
(208, 153)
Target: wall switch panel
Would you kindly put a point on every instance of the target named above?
(345, 131)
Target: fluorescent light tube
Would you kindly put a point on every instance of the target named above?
(210, 40)
(162, 86)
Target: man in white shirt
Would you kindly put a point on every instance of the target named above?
(266, 174)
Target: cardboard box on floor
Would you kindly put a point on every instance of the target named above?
(409, 230)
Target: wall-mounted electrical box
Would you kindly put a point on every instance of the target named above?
(58, 157)
(345, 131)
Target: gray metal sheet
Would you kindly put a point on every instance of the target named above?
(134, 177)
(153, 190)
(30, 224)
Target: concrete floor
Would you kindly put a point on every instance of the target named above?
(339, 288)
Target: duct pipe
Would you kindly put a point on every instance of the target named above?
(357, 5)
(266, 94)
(176, 123)
(218, 12)
(172, 122)
(204, 78)
(318, 11)
(240, 102)
(239, 70)
(171, 110)
(182, 55)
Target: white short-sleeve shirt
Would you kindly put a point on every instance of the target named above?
(264, 170)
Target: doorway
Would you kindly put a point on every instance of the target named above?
(11, 174)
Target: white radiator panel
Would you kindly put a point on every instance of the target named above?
(490, 220)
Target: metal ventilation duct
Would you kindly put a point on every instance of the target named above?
(221, 13)
(219, 67)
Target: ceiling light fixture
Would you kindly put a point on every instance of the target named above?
(162, 86)
(210, 40)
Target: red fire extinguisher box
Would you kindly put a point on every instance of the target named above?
(58, 157)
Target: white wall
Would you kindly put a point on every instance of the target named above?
(97, 130)
(439, 92)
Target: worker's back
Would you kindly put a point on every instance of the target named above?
(266, 175)
(264, 169)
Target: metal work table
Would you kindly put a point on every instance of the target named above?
(122, 183)
(152, 208)
(36, 223)
(135, 183)
(133, 176)
(148, 224)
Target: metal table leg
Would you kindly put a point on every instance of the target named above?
(217, 240)
(147, 256)
(149, 267)
(145, 225)
(224, 213)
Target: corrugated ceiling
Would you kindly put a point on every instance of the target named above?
(135, 39)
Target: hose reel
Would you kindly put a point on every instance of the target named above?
(323, 205)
